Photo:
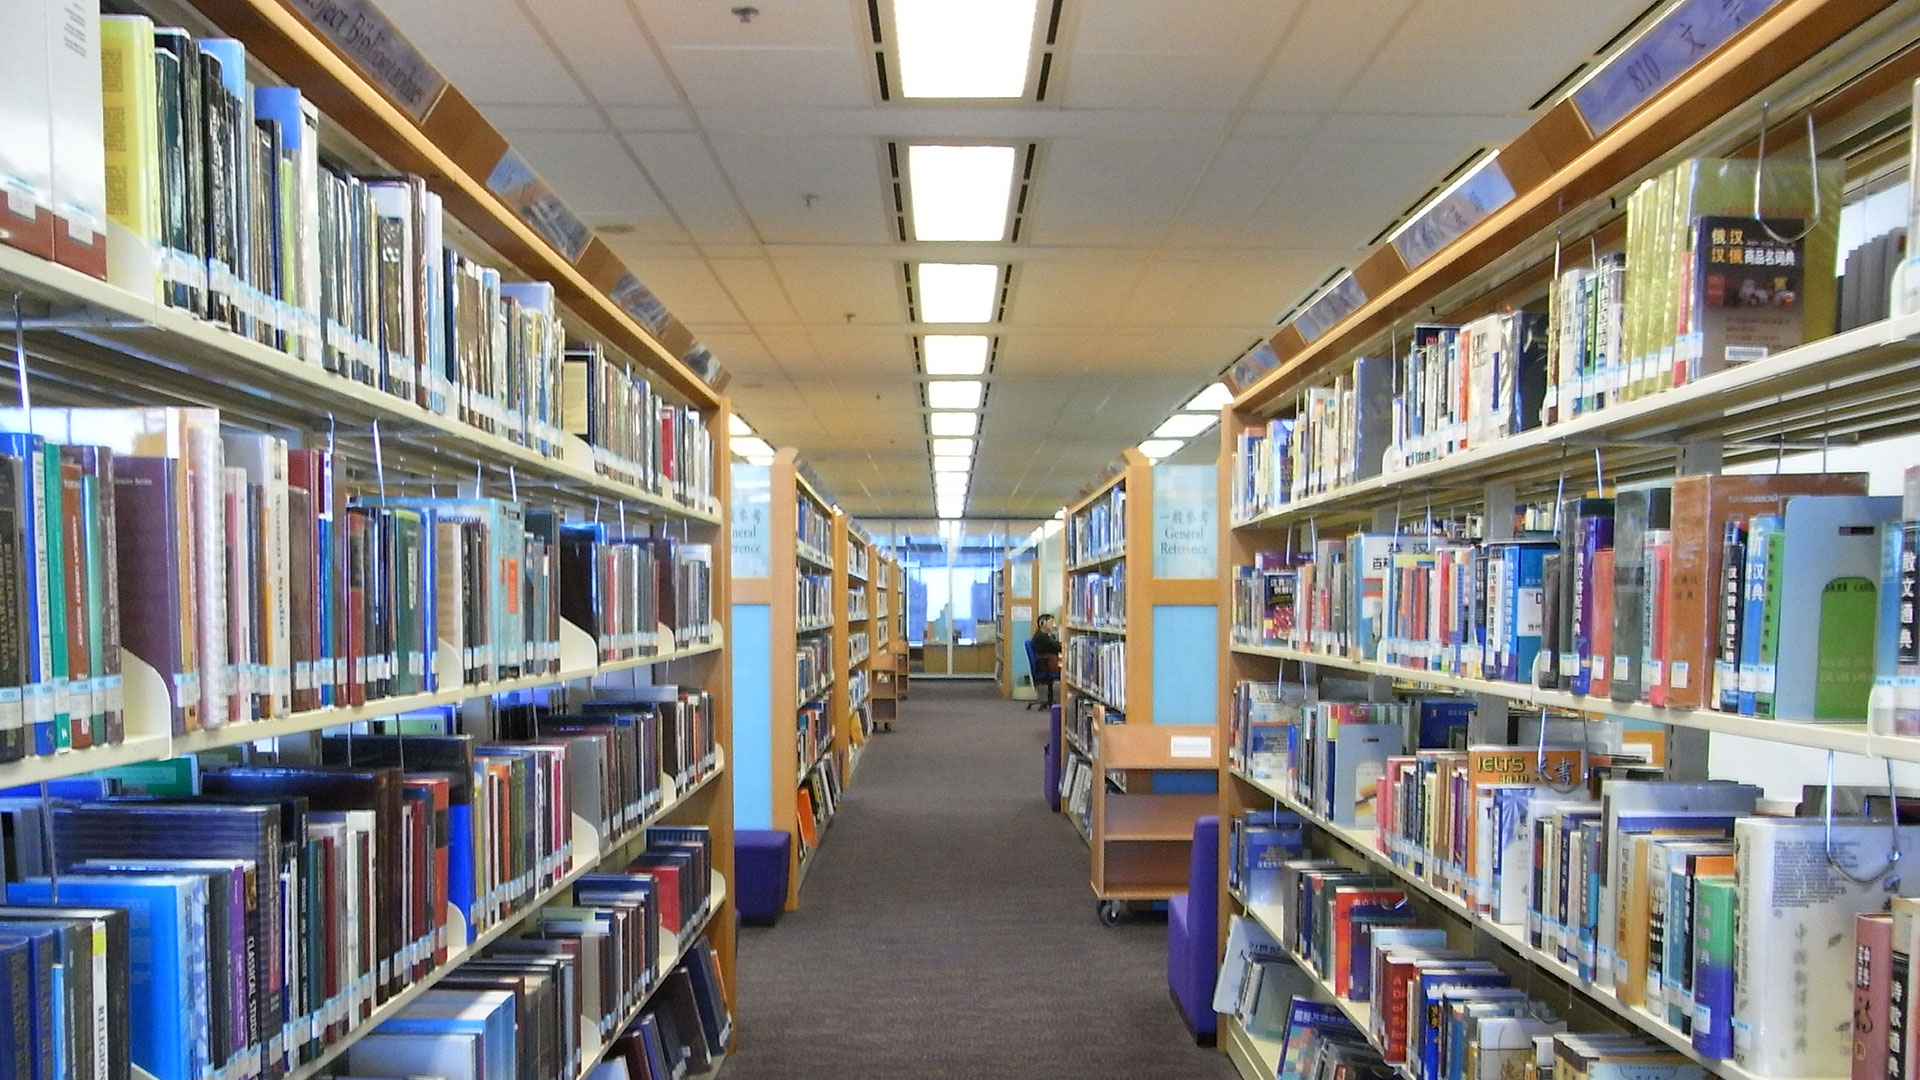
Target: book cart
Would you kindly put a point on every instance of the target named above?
(889, 661)
(1137, 669)
(1847, 66)
(790, 644)
(77, 341)
(855, 588)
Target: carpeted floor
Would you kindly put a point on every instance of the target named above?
(947, 929)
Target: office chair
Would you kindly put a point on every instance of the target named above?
(1048, 679)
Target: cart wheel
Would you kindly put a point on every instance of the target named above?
(1112, 911)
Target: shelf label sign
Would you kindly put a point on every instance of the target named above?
(364, 36)
(1338, 302)
(752, 509)
(1186, 522)
(1663, 54)
(1191, 746)
(517, 185)
(1259, 360)
(1483, 191)
(633, 297)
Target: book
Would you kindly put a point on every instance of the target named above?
(79, 191)
(1876, 1031)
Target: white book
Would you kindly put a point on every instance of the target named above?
(79, 142)
(1794, 915)
(263, 461)
(26, 128)
(242, 590)
(447, 1057)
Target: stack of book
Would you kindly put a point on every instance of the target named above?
(817, 800)
(1099, 599)
(813, 667)
(1099, 666)
(815, 528)
(1100, 529)
(683, 1030)
(813, 600)
(636, 436)
(1258, 843)
(227, 579)
(1702, 286)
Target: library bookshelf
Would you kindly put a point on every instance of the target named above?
(80, 342)
(1845, 66)
(888, 665)
(854, 591)
(1137, 674)
(789, 624)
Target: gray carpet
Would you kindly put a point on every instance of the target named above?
(947, 929)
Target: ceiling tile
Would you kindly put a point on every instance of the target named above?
(695, 189)
(1113, 191)
(608, 51)
(824, 78)
(1125, 80)
(818, 23)
(755, 289)
(1218, 26)
(686, 286)
(596, 178)
(774, 175)
(827, 290)
(1071, 293)
(1326, 50)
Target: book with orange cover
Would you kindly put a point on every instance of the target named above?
(1702, 506)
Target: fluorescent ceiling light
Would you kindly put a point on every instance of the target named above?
(963, 394)
(952, 447)
(752, 446)
(960, 192)
(950, 508)
(953, 423)
(758, 459)
(979, 49)
(1184, 425)
(1155, 449)
(955, 354)
(958, 292)
(737, 427)
(1212, 399)
(950, 485)
(952, 464)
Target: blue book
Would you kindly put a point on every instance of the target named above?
(1754, 596)
(1525, 600)
(1440, 719)
(1264, 849)
(17, 993)
(487, 1015)
(1431, 1015)
(660, 1061)
(43, 960)
(159, 921)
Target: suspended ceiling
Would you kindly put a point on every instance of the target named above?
(1201, 166)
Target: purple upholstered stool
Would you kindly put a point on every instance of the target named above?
(760, 858)
(1193, 924)
(1050, 759)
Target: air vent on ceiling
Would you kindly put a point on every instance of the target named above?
(897, 180)
(886, 60)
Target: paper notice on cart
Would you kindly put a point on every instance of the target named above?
(1191, 746)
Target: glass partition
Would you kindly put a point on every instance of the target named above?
(950, 569)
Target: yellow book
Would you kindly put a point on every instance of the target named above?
(130, 116)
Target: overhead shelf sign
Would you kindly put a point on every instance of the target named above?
(537, 204)
(1480, 193)
(1335, 304)
(1661, 55)
(364, 36)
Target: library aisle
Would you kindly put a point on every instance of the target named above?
(949, 931)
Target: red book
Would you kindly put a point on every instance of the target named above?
(1872, 983)
(1659, 563)
(1344, 901)
(73, 517)
(436, 792)
(666, 889)
(1601, 597)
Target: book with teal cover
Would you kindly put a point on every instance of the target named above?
(1713, 901)
(165, 1041)
(1760, 547)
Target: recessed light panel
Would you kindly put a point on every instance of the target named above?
(1184, 425)
(960, 192)
(955, 394)
(751, 446)
(1155, 449)
(975, 49)
(955, 354)
(958, 292)
(952, 447)
(1212, 399)
(953, 423)
(948, 464)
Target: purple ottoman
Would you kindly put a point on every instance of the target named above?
(760, 858)
(1193, 923)
(1050, 761)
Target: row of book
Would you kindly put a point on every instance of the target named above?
(1099, 529)
(161, 565)
(1274, 733)
(1702, 286)
(1775, 595)
(813, 666)
(813, 736)
(542, 1005)
(1099, 666)
(1665, 894)
(859, 560)
(1076, 790)
(816, 801)
(681, 1033)
(859, 686)
(636, 436)
(813, 600)
(814, 528)
(1099, 599)
(857, 609)
(173, 175)
(859, 647)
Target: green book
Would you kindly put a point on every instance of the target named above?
(53, 529)
(1849, 610)
(1764, 676)
(409, 655)
(1713, 902)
